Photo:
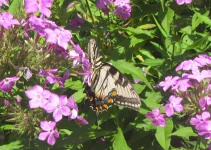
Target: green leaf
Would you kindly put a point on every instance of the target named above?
(168, 18)
(160, 28)
(75, 85)
(152, 100)
(163, 134)
(14, 6)
(80, 135)
(147, 26)
(204, 18)
(198, 44)
(139, 88)
(185, 132)
(12, 146)
(126, 67)
(79, 96)
(153, 62)
(119, 141)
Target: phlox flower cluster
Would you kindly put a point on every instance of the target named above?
(59, 106)
(181, 2)
(122, 7)
(51, 78)
(190, 95)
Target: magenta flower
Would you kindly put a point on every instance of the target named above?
(74, 108)
(74, 112)
(7, 21)
(38, 96)
(200, 119)
(33, 6)
(188, 65)
(101, 4)
(58, 36)
(205, 102)
(77, 55)
(203, 60)
(121, 2)
(205, 130)
(28, 74)
(199, 76)
(173, 105)
(48, 132)
(7, 84)
(57, 105)
(182, 84)
(39, 25)
(47, 72)
(6, 103)
(76, 22)
(5, 2)
(81, 120)
(180, 2)
(158, 119)
(123, 11)
(169, 82)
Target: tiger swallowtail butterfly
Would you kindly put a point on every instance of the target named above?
(108, 85)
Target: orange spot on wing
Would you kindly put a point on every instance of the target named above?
(110, 100)
(113, 93)
(105, 106)
(91, 99)
(96, 108)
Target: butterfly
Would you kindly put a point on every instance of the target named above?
(108, 85)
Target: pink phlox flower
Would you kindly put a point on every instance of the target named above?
(182, 84)
(81, 120)
(33, 6)
(205, 129)
(205, 102)
(6, 103)
(199, 76)
(7, 21)
(7, 83)
(77, 55)
(74, 108)
(170, 81)
(57, 105)
(28, 74)
(5, 2)
(60, 51)
(200, 119)
(38, 96)
(75, 22)
(121, 2)
(180, 2)
(101, 4)
(173, 105)
(188, 65)
(74, 112)
(87, 72)
(39, 25)
(123, 11)
(48, 132)
(158, 119)
(203, 60)
(58, 36)
(43, 72)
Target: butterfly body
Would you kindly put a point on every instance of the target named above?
(108, 85)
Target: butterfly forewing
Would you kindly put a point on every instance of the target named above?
(108, 85)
